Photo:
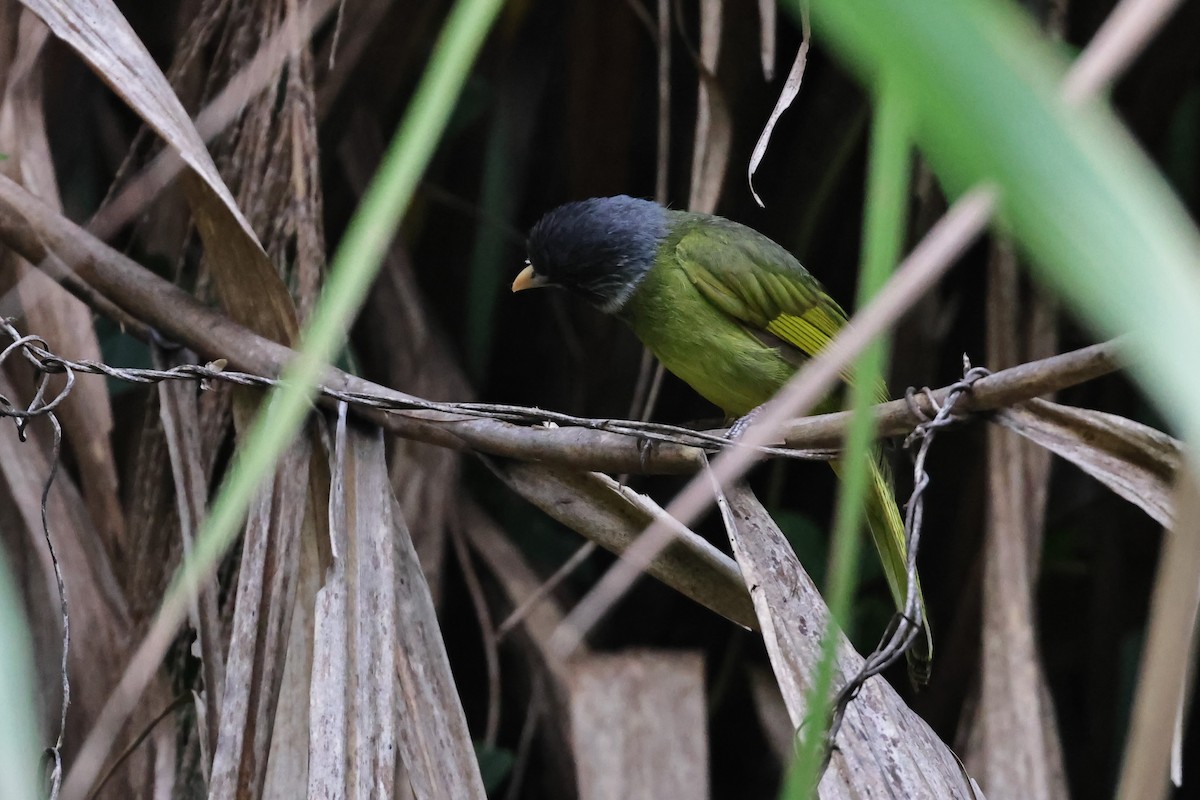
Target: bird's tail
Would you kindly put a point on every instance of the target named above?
(887, 531)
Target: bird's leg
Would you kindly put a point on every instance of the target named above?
(742, 424)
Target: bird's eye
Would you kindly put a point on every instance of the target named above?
(527, 263)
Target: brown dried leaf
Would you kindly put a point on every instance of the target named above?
(180, 416)
(50, 310)
(248, 284)
(1152, 753)
(1017, 752)
(154, 541)
(883, 748)
(714, 132)
(638, 725)
(270, 152)
(353, 690)
(434, 739)
(269, 155)
(382, 690)
(614, 516)
(1136, 461)
(291, 734)
(258, 644)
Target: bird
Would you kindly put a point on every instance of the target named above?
(723, 307)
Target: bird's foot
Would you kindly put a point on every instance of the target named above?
(741, 425)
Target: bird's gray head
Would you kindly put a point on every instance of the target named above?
(599, 248)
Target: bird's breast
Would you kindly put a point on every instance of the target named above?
(709, 350)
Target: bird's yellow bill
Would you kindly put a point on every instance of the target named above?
(528, 279)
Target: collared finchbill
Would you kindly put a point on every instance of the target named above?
(723, 307)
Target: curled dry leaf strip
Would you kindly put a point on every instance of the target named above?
(791, 88)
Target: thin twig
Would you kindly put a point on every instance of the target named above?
(50, 363)
(533, 713)
(547, 586)
(31, 229)
(808, 438)
(178, 702)
(998, 390)
(1124, 34)
(491, 652)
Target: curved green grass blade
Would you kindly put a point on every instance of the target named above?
(883, 237)
(19, 756)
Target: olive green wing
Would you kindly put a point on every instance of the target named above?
(759, 283)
